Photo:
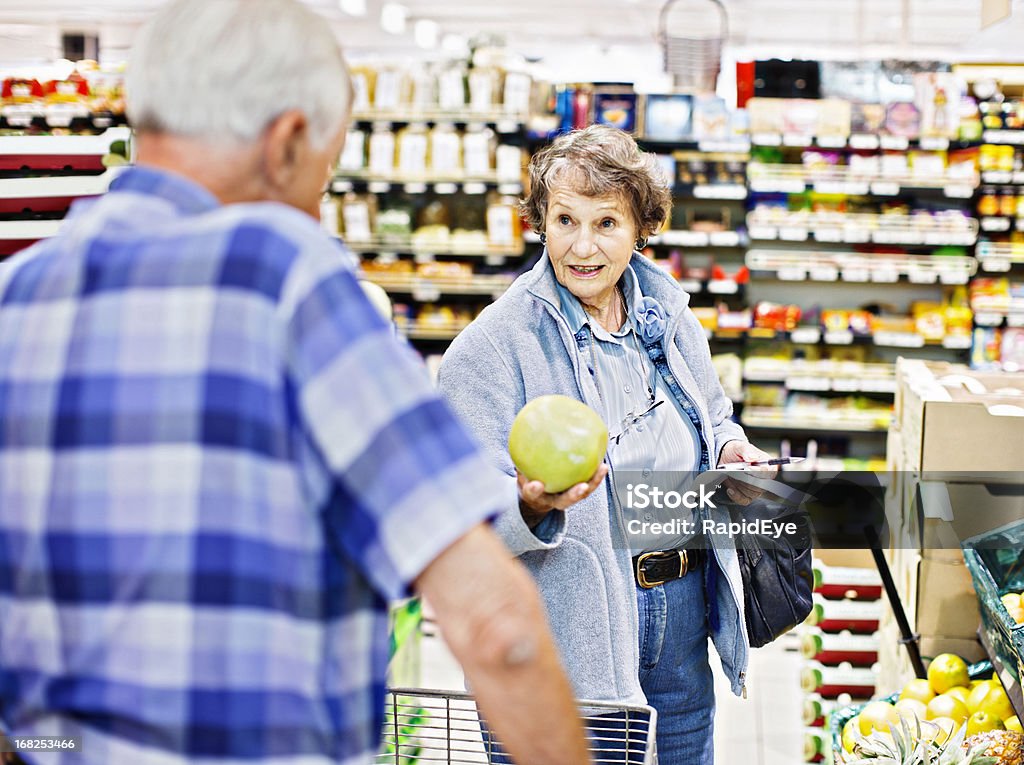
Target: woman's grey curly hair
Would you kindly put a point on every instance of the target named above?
(597, 161)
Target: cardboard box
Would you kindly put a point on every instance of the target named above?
(957, 421)
(845, 558)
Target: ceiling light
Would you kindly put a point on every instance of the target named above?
(425, 32)
(392, 18)
(353, 7)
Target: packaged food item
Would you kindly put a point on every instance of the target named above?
(938, 97)
(765, 115)
(781, 318)
(986, 347)
(413, 149)
(451, 88)
(395, 220)
(478, 151)
(867, 119)
(833, 118)
(382, 151)
(390, 90)
(927, 164)
(358, 216)
(516, 93)
(615, 105)
(363, 78)
(1011, 349)
(710, 118)
(483, 88)
(22, 101)
(970, 120)
(353, 156)
(667, 116)
(509, 162)
(445, 150)
(988, 201)
(800, 116)
(502, 220)
(1008, 202)
(903, 119)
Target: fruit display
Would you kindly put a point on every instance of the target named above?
(1014, 606)
(946, 718)
(558, 441)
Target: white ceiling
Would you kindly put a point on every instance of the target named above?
(615, 30)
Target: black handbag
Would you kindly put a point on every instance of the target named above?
(777, 575)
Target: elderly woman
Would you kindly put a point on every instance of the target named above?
(597, 321)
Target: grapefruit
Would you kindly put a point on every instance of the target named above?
(919, 690)
(877, 716)
(558, 441)
(910, 710)
(947, 671)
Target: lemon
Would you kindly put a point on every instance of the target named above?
(877, 716)
(980, 722)
(849, 734)
(919, 690)
(996, 702)
(960, 692)
(910, 710)
(1013, 723)
(977, 694)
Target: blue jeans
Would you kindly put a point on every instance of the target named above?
(674, 669)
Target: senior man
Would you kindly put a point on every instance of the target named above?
(216, 463)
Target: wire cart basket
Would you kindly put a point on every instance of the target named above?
(692, 34)
(423, 726)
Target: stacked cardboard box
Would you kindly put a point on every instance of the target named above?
(957, 437)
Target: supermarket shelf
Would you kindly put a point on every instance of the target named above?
(858, 267)
(816, 336)
(857, 141)
(998, 224)
(1004, 137)
(426, 248)
(815, 376)
(28, 230)
(720, 191)
(700, 239)
(738, 146)
(428, 289)
(839, 421)
(796, 179)
(62, 187)
(1008, 676)
(996, 257)
(442, 183)
(432, 330)
(988, 313)
(1003, 177)
(504, 122)
(63, 145)
(851, 228)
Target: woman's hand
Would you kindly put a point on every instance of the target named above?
(743, 451)
(535, 503)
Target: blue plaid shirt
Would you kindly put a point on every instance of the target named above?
(216, 466)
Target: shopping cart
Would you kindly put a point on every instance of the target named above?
(424, 726)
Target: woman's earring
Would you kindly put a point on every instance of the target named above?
(543, 238)
(640, 244)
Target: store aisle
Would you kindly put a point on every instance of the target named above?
(763, 729)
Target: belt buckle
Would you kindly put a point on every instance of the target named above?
(641, 575)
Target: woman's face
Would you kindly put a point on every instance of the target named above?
(590, 241)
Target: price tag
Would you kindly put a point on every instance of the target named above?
(1020, 224)
(423, 257)
(845, 384)
(445, 188)
(853, 235)
(766, 139)
(763, 232)
(805, 335)
(824, 273)
(715, 147)
(834, 187)
(509, 189)
(956, 342)
(494, 260)
(996, 265)
(895, 143)
(1015, 320)
(507, 126)
(856, 275)
(690, 285)
(720, 191)
(934, 143)
(425, 292)
(885, 188)
(828, 234)
(793, 234)
(997, 176)
(415, 188)
(885, 275)
(931, 237)
(724, 239)
(796, 139)
(839, 337)
(865, 141)
(474, 187)
(1018, 177)
(986, 319)
(831, 141)
(723, 287)
(808, 383)
(884, 237)
(922, 276)
(951, 276)
(899, 339)
(792, 274)
(959, 191)
(341, 187)
(378, 187)
(995, 224)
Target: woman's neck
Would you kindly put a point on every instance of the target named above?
(609, 313)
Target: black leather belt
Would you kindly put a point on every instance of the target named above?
(653, 568)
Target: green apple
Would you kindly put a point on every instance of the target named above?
(558, 441)
(980, 722)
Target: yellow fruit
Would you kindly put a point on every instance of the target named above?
(981, 722)
(977, 694)
(975, 683)
(911, 709)
(948, 706)
(1011, 600)
(940, 729)
(849, 734)
(947, 671)
(919, 690)
(877, 716)
(1013, 723)
(996, 702)
(960, 692)
(1017, 614)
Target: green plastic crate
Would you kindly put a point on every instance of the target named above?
(996, 563)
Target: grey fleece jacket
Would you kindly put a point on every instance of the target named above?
(519, 348)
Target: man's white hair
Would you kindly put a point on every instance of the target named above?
(225, 69)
